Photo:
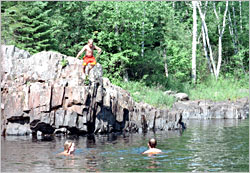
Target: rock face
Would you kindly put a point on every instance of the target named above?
(214, 110)
(38, 94)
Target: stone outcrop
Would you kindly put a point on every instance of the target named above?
(204, 109)
(39, 95)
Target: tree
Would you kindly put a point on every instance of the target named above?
(194, 4)
(205, 35)
(221, 32)
(146, 41)
(26, 26)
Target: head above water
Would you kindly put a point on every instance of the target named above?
(152, 143)
(68, 145)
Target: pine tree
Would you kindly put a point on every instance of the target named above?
(26, 26)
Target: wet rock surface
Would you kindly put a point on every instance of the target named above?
(39, 95)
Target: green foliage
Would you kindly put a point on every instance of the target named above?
(64, 62)
(26, 26)
(28, 83)
(153, 96)
(223, 89)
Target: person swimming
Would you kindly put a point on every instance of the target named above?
(69, 148)
(152, 150)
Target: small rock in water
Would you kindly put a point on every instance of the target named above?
(39, 133)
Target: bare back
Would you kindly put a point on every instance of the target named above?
(152, 151)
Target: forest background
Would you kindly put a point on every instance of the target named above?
(149, 47)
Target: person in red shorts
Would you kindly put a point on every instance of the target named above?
(89, 55)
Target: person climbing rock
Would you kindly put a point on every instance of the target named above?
(89, 58)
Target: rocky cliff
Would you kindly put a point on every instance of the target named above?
(39, 94)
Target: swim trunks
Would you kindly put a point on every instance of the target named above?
(89, 59)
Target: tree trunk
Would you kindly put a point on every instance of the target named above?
(235, 24)
(231, 31)
(165, 62)
(205, 43)
(236, 32)
(204, 25)
(125, 76)
(220, 42)
(194, 3)
(205, 50)
(142, 44)
(240, 17)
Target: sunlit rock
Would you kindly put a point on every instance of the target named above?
(38, 91)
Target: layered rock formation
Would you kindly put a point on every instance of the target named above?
(39, 94)
(205, 109)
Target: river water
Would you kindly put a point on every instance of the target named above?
(208, 145)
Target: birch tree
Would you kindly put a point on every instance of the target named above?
(165, 62)
(194, 4)
(205, 34)
(240, 17)
(143, 31)
(231, 31)
(221, 31)
(205, 43)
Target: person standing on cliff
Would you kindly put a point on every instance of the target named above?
(152, 150)
(89, 55)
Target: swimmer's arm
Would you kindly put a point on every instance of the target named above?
(63, 154)
(145, 152)
(83, 49)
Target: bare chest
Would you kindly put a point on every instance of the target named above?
(89, 50)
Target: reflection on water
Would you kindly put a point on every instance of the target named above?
(208, 145)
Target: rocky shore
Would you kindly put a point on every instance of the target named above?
(39, 95)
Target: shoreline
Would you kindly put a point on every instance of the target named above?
(41, 97)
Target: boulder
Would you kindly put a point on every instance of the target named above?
(41, 127)
(17, 129)
(181, 96)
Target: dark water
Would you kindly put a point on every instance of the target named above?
(210, 145)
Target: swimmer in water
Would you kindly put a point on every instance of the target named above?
(152, 150)
(69, 148)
